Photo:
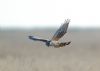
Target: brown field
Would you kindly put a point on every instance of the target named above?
(18, 53)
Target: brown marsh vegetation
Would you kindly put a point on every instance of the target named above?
(18, 53)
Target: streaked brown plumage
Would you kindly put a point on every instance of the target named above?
(61, 31)
(59, 34)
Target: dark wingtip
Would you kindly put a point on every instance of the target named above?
(67, 20)
(30, 37)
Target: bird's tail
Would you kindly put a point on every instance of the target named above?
(67, 43)
(64, 44)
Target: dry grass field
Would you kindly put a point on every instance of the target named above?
(18, 53)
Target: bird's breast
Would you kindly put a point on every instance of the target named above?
(53, 43)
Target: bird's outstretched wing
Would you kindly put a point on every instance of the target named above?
(37, 39)
(61, 31)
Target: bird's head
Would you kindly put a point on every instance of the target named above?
(48, 43)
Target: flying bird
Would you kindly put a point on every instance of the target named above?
(54, 40)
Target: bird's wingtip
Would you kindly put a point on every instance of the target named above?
(30, 37)
(67, 20)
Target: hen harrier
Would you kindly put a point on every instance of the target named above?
(54, 41)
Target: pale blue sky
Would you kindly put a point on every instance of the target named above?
(49, 13)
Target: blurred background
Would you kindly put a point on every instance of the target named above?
(21, 18)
